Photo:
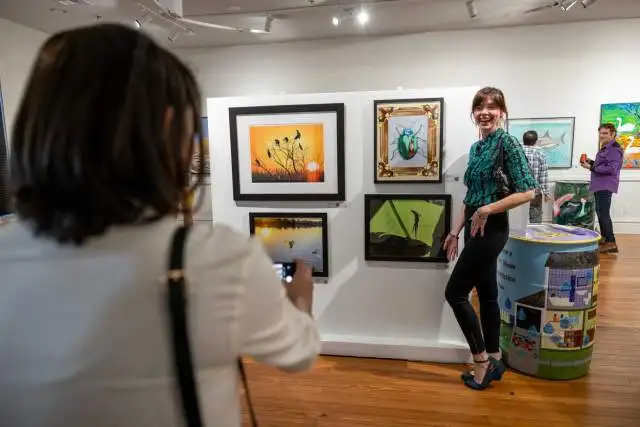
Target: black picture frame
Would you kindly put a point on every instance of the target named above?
(408, 175)
(391, 248)
(253, 216)
(337, 108)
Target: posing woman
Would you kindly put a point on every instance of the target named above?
(484, 215)
(101, 147)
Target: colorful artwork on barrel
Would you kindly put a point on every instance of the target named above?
(548, 305)
(625, 116)
(573, 204)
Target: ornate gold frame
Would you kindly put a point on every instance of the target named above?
(432, 170)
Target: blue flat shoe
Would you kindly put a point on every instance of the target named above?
(493, 372)
(500, 369)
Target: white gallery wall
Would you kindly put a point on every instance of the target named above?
(18, 48)
(377, 309)
(545, 71)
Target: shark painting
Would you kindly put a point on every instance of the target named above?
(547, 142)
(555, 137)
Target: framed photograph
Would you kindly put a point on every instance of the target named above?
(625, 116)
(288, 236)
(288, 152)
(408, 140)
(201, 146)
(406, 227)
(555, 137)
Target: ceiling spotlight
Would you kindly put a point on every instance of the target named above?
(336, 21)
(472, 9)
(587, 3)
(137, 24)
(567, 5)
(362, 17)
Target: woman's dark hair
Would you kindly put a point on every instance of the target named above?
(530, 137)
(100, 135)
(492, 93)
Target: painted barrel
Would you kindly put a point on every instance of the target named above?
(548, 296)
(573, 204)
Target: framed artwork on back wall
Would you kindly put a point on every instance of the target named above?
(408, 140)
(555, 137)
(625, 116)
(287, 236)
(406, 227)
(288, 152)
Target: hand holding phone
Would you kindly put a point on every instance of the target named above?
(300, 290)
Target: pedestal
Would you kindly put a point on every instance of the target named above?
(548, 296)
(573, 204)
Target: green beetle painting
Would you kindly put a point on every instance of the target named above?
(407, 143)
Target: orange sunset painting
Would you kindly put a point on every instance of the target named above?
(287, 153)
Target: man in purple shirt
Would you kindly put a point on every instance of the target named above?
(605, 178)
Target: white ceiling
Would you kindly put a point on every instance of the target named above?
(301, 20)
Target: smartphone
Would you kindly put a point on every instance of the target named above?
(285, 270)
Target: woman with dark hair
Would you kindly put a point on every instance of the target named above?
(102, 144)
(484, 216)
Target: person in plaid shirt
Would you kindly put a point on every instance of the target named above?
(538, 163)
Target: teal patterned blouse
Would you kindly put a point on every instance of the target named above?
(479, 176)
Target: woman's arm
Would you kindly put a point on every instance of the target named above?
(273, 331)
(458, 224)
(510, 202)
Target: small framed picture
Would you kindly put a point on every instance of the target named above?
(288, 236)
(408, 140)
(406, 227)
(288, 152)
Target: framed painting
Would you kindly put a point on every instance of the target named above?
(406, 227)
(408, 140)
(288, 152)
(555, 137)
(289, 236)
(625, 116)
(201, 154)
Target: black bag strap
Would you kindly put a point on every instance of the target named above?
(183, 360)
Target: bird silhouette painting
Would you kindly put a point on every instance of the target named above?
(286, 238)
(405, 229)
(287, 153)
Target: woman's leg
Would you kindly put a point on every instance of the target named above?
(457, 295)
(487, 290)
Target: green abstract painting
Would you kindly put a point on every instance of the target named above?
(625, 116)
(406, 227)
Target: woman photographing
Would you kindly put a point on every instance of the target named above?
(497, 178)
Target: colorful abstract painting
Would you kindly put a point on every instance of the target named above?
(555, 137)
(625, 116)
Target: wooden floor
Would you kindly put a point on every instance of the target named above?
(353, 392)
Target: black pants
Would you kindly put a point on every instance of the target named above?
(603, 210)
(476, 267)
